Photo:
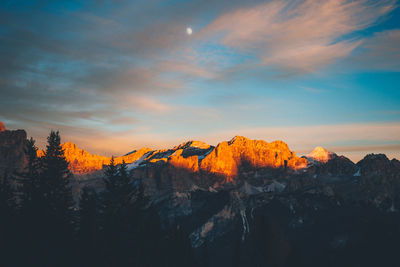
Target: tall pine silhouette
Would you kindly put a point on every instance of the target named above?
(32, 201)
(8, 229)
(30, 182)
(47, 206)
(89, 237)
(119, 216)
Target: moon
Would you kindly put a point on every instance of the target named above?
(189, 31)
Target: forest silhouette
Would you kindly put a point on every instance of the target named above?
(42, 225)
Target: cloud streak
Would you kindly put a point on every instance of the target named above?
(297, 36)
(130, 70)
(379, 52)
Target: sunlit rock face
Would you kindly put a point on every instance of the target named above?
(194, 165)
(179, 161)
(192, 145)
(320, 154)
(2, 127)
(240, 152)
(82, 162)
(195, 158)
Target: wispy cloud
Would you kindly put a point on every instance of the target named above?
(297, 36)
(379, 52)
(129, 68)
(149, 104)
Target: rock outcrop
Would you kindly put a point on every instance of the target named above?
(12, 151)
(2, 127)
(379, 177)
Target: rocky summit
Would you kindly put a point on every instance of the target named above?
(320, 154)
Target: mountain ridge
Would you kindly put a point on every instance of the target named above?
(218, 194)
(224, 159)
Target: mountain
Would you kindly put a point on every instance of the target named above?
(255, 203)
(227, 159)
(82, 162)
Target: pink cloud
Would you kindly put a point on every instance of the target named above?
(149, 105)
(300, 36)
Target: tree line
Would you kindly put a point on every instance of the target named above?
(41, 225)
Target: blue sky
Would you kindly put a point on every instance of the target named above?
(113, 76)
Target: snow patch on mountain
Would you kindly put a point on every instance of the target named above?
(358, 173)
(138, 162)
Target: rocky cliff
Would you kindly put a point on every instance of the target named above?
(12, 154)
(228, 158)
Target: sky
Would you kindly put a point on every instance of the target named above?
(114, 76)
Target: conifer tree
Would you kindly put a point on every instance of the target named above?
(119, 215)
(29, 181)
(89, 228)
(205, 257)
(8, 218)
(32, 200)
(179, 249)
(7, 199)
(54, 207)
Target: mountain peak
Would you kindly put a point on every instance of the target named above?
(239, 139)
(69, 145)
(228, 157)
(320, 154)
(192, 144)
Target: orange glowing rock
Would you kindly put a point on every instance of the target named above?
(40, 153)
(2, 127)
(228, 157)
(179, 161)
(192, 144)
(82, 162)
